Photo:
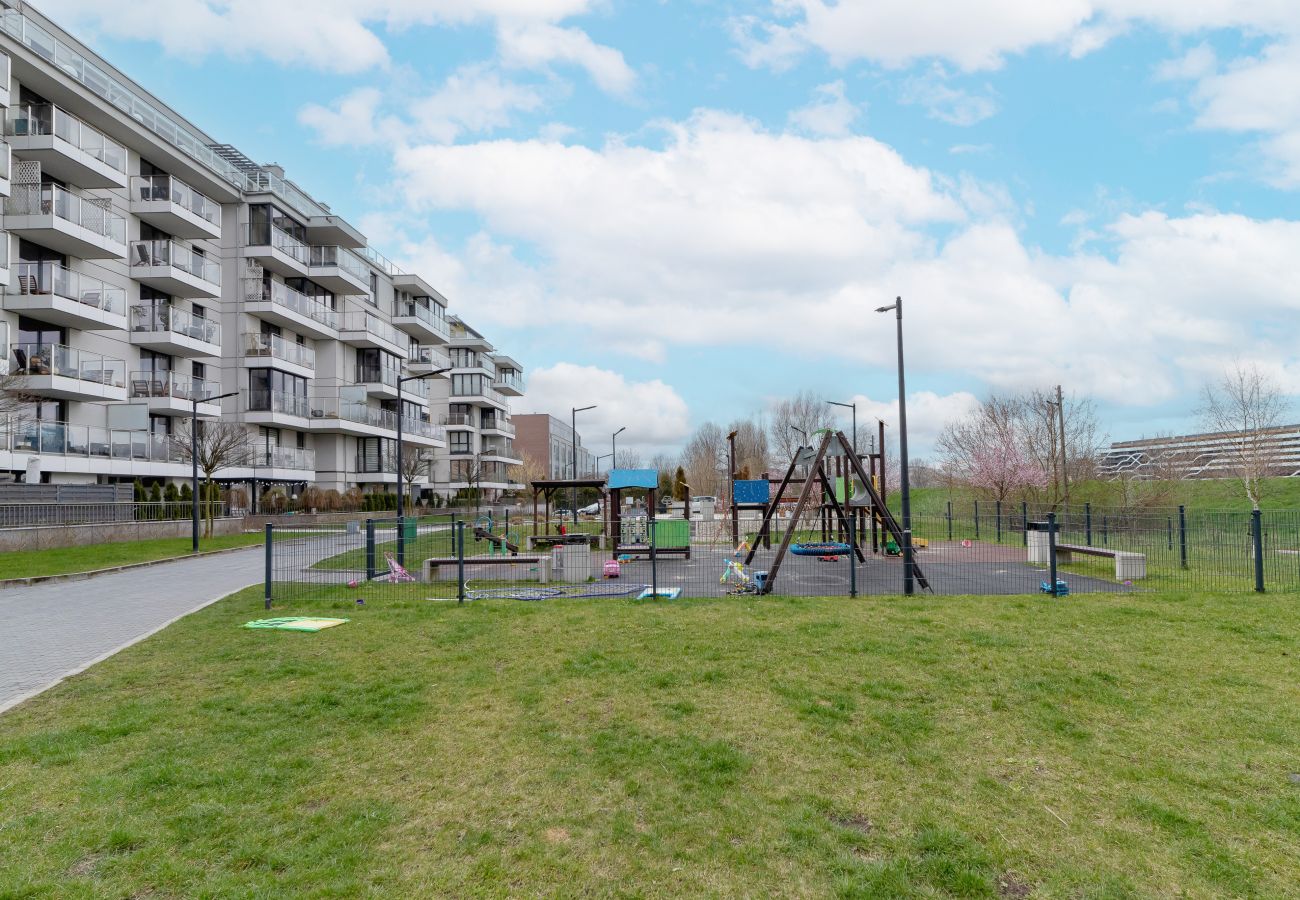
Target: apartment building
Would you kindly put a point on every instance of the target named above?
(1210, 455)
(549, 441)
(147, 268)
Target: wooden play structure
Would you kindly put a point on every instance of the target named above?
(665, 537)
(544, 490)
(834, 454)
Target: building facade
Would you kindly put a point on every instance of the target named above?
(1211, 455)
(146, 266)
(549, 441)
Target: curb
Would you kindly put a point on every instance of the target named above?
(82, 576)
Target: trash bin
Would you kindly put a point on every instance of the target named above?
(409, 529)
(1040, 542)
(354, 527)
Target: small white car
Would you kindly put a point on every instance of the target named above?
(592, 510)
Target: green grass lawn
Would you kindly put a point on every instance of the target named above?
(1100, 746)
(63, 560)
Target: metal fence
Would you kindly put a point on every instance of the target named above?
(21, 515)
(1011, 551)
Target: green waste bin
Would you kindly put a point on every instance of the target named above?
(672, 533)
(409, 527)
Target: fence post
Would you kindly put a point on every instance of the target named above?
(909, 580)
(998, 513)
(270, 564)
(1182, 536)
(1105, 530)
(1051, 551)
(1087, 524)
(1257, 539)
(1024, 523)
(1169, 531)
(401, 540)
(654, 559)
(977, 520)
(853, 557)
(950, 520)
(460, 561)
(370, 549)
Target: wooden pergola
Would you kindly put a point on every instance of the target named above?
(545, 488)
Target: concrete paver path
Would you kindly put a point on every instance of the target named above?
(53, 630)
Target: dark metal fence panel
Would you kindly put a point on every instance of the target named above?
(27, 515)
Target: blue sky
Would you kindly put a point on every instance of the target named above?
(682, 210)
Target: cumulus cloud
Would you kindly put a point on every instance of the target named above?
(654, 413)
(830, 113)
(537, 45)
(953, 105)
(927, 414)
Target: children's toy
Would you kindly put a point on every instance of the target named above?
(294, 623)
(1062, 588)
(737, 579)
(397, 573)
(610, 569)
(667, 593)
(824, 549)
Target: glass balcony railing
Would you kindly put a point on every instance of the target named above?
(353, 411)
(379, 261)
(375, 327)
(278, 238)
(279, 402)
(272, 346)
(53, 200)
(162, 318)
(322, 257)
(67, 362)
(27, 119)
(426, 355)
(36, 278)
(148, 254)
(421, 428)
(505, 449)
(510, 379)
(24, 435)
(285, 458)
(366, 374)
(282, 295)
(171, 384)
(461, 419)
(430, 315)
(165, 187)
(496, 423)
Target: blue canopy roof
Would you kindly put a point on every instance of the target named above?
(633, 478)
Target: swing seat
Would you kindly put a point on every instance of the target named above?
(826, 549)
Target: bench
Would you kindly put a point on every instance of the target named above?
(533, 542)
(1128, 566)
(436, 568)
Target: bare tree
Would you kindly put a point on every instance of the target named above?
(1064, 457)
(795, 417)
(1247, 406)
(751, 446)
(415, 465)
(219, 445)
(628, 459)
(13, 394)
(705, 459)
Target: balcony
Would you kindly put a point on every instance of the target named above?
(503, 451)
(6, 168)
(378, 465)
(172, 394)
(277, 408)
(66, 147)
(64, 373)
(425, 358)
(297, 459)
(421, 321)
(4, 261)
(282, 305)
(277, 250)
(480, 394)
(364, 329)
(273, 350)
(509, 382)
(5, 69)
(337, 270)
(168, 329)
(420, 432)
(173, 206)
(175, 269)
(60, 296)
(329, 229)
(90, 442)
(339, 416)
(468, 339)
(496, 425)
(56, 218)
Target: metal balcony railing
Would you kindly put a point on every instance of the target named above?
(430, 315)
(282, 295)
(278, 402)
(24, 435)
(286, 458)
(36, 278)
(68, 362)
(148, 254)
(272, 346)
(162, 318)
(54, 200)
(171, 384)
(167, 187)
(24, 119)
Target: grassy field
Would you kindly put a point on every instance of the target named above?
(1102, 746)
(63, 560)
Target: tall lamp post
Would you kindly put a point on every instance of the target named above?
(573, 427)
(194, 463)
(613, 463)
(908, 575)
(853, 406)
(401, 380)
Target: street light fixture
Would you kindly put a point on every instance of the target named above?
(908, 575)
(194, 463)
(613, 464)
(401, 380)
(853, 406)
(573, 428)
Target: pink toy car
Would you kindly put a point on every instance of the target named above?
(611, 568)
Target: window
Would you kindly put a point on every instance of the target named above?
(458, 441)
(154, 362)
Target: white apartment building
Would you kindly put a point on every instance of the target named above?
(144, 264)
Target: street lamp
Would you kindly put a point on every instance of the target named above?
(194, 463)
(401, 380)
(609, 456)
(613, 463)
(908, 580)
(853, 406)
(573, 427)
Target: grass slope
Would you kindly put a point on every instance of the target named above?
(62, 560)
(978, 747)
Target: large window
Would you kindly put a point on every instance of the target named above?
(458, 441)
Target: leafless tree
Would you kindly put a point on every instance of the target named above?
(628, 459)
(805, 412)
(219, 445)
(751, 446)
(415, 465)
(1247, 406)
(705, 459)
(1064, 459)
(13, 394)
(1154, 483)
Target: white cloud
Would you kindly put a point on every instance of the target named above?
(1196, 63)
(830, 113)
(349, 120)
(655, 414)
(946, 103)
(537, 45)
(927, 414)
(474, 99)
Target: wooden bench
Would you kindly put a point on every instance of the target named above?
(436, 567)
(533, 542)
(1128, 566)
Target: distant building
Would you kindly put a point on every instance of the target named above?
(549, 440)
(1197, 455)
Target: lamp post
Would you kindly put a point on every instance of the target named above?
(853, 406)
(613, 463)
(401, 380)
(609, 456)
(908, 579)
(194, 463)
(573, 428)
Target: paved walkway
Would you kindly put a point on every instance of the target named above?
(50, 631)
